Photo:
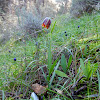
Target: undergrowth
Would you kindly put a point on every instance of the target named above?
(65, 58)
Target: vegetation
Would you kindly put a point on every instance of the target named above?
(66, 59)
(59, 63)
(84, 6)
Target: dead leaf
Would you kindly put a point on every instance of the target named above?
(38, 89)
(59, 91)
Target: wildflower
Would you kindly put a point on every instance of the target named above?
(46, 23)
(78, 26)
(65, 31)
(14, 59)
(65, 34)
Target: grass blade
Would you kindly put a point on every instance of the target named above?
(98, 81)
(53, 75)
(3, 95)
(85, 50)
(53, 27)
(52, 67)
(44, 75)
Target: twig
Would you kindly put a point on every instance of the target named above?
(80, 89)
(77, 82)
(72, 89)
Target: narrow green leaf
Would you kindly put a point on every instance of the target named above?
(62, 74)
(89, 74)
(63, 63)
(44, 75)
(85, 50)
(86, 70)
(3, 95)
(53, 27)
(53, 65)
(69, 61)
(48, 78)
(89, 69)
(49, 57)
(53, 75)
(70, 52)
(89, 65)
(98, 81)
(95, 67)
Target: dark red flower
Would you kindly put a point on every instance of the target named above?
(46, 23)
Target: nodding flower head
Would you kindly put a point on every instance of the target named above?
(46, 23)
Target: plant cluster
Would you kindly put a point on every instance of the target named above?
(67, 66)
